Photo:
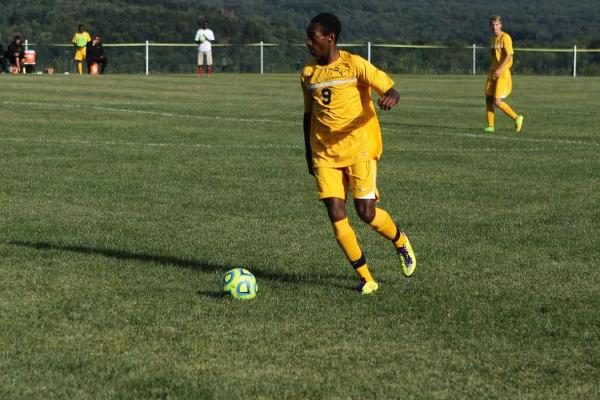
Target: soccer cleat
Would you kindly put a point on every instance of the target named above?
(367, 287)
(407, 258)
(519, 123)
(489, 129)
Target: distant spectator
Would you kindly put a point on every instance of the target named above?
(204, 38)
(95, 54)
(16, 53)
(80, 41)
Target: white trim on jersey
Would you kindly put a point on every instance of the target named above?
(331, 83)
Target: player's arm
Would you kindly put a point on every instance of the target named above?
(308, 106)
(308, 151)
(379, 81)
(506, 56)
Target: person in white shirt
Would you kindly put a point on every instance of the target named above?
(204, 38)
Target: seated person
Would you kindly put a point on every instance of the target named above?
(95, 54)
(16, 53)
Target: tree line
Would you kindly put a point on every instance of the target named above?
(537, 23)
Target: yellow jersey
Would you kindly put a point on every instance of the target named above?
(344, 128)
(500, 46)
(81, 39)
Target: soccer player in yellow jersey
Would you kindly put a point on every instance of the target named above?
(343, 141)
(498, 84)
(80, 41)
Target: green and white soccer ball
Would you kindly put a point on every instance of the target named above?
(202, 38)
(240, 284)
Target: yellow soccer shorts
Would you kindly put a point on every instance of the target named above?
(335, 182)
(80, 54)
(499, 87)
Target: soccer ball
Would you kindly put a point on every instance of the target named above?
(202, 38)
(240, 284)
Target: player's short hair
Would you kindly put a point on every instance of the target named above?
(495, 18)
(330, 24)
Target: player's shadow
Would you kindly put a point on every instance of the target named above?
(204, 266)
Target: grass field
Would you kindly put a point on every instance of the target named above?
(124, 199)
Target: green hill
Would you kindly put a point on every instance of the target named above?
(547, 23)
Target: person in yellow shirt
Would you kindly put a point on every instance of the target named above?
(343, 141)
(80, 40)
(498, 84)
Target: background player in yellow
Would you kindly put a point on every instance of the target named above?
(343, 141)
(498, 84)
(80, 41)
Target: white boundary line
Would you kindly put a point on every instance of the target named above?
(516, 138)
(145, 112)
(265, 146)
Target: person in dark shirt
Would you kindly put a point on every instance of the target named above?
(16, 53)
(95, 54)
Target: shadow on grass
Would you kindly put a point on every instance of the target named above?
(260, 273)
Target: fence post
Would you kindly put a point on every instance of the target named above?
(26, 44)
(369, 51)
(147, 57)
(262, 58)
(474, 59)
(574, 61)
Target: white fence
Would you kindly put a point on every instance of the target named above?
(369, 47)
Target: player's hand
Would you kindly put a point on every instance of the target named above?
(497, 73)
(389, 99)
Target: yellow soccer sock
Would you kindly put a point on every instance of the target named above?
(364, 274)
(384, 224)
(490, 115)
(401, 240)
(507, 110)
(348, 241)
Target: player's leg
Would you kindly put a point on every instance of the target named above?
(490, 88)
(503, 89)
(363, 178)
(209, 62)
(348, 242)
(102, 63)
(79, 61)
(506, 109)
(200, 61)
(518, 119)
(332, 186)
(489, 114)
